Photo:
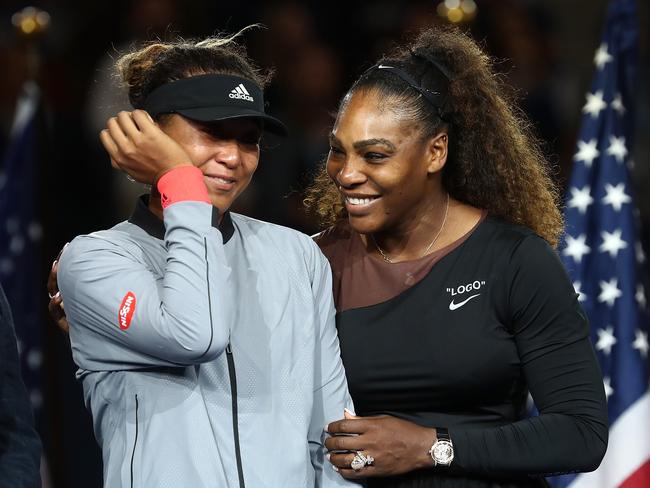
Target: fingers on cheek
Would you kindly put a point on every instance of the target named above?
(108, 142)
(114, 130)
(125, 121)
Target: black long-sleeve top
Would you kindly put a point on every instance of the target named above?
(458, 338)
(20, 446)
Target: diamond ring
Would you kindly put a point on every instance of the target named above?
(360, 461)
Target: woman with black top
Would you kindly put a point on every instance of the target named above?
(451, 302)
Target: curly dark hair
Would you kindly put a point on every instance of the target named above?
(494, 161)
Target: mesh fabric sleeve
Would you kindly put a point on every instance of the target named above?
(559, 365)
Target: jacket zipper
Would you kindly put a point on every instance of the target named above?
(135, 440)
(235, 422)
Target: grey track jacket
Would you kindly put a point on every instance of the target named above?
(209, 358)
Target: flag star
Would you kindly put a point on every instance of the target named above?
(617, 148)
(640, 255)
(609, 292)
(36, 399)
(6, 266)
(34, 359)
(12, 225)
(606, 340)
(594, 104)
(35, 231)
(587, 152)
(607, 383)
(576, 247)
(641, 342)
(17, 244)
(640, 295)
(580, 199)
(581, 296)
(612, 242)
(602, 57)
(617, 104)
(616, 196)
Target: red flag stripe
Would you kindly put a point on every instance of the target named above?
(639, 479)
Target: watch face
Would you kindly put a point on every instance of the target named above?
(443, 452)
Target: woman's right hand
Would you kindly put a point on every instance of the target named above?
(138, 146)
(55, 306)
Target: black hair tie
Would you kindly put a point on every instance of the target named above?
(434, 62)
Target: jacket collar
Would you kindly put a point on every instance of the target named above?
(152, 225)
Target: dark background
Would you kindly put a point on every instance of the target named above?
(543, 47)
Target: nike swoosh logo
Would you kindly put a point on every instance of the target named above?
(454, 306)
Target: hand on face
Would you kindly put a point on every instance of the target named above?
(397, 446)
(140, 148)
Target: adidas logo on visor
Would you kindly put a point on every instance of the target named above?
(241, 92)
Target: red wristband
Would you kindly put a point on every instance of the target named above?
(184, 183)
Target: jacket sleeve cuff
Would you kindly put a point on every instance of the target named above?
(184, 183)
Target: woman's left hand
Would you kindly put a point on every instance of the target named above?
(397, 446)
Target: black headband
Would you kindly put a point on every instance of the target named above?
(431, 60)
(438, 97)
(213, 97)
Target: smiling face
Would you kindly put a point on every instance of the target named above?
(227, 152)
(387, 172)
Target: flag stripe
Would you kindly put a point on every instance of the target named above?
(627, 451)
(639, 479)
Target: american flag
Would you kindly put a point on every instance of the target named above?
(604, 257)
(21, 238)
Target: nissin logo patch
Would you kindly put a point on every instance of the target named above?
(127, 309)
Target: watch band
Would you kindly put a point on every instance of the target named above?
(442, 434)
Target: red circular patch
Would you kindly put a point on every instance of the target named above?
(127, 309)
